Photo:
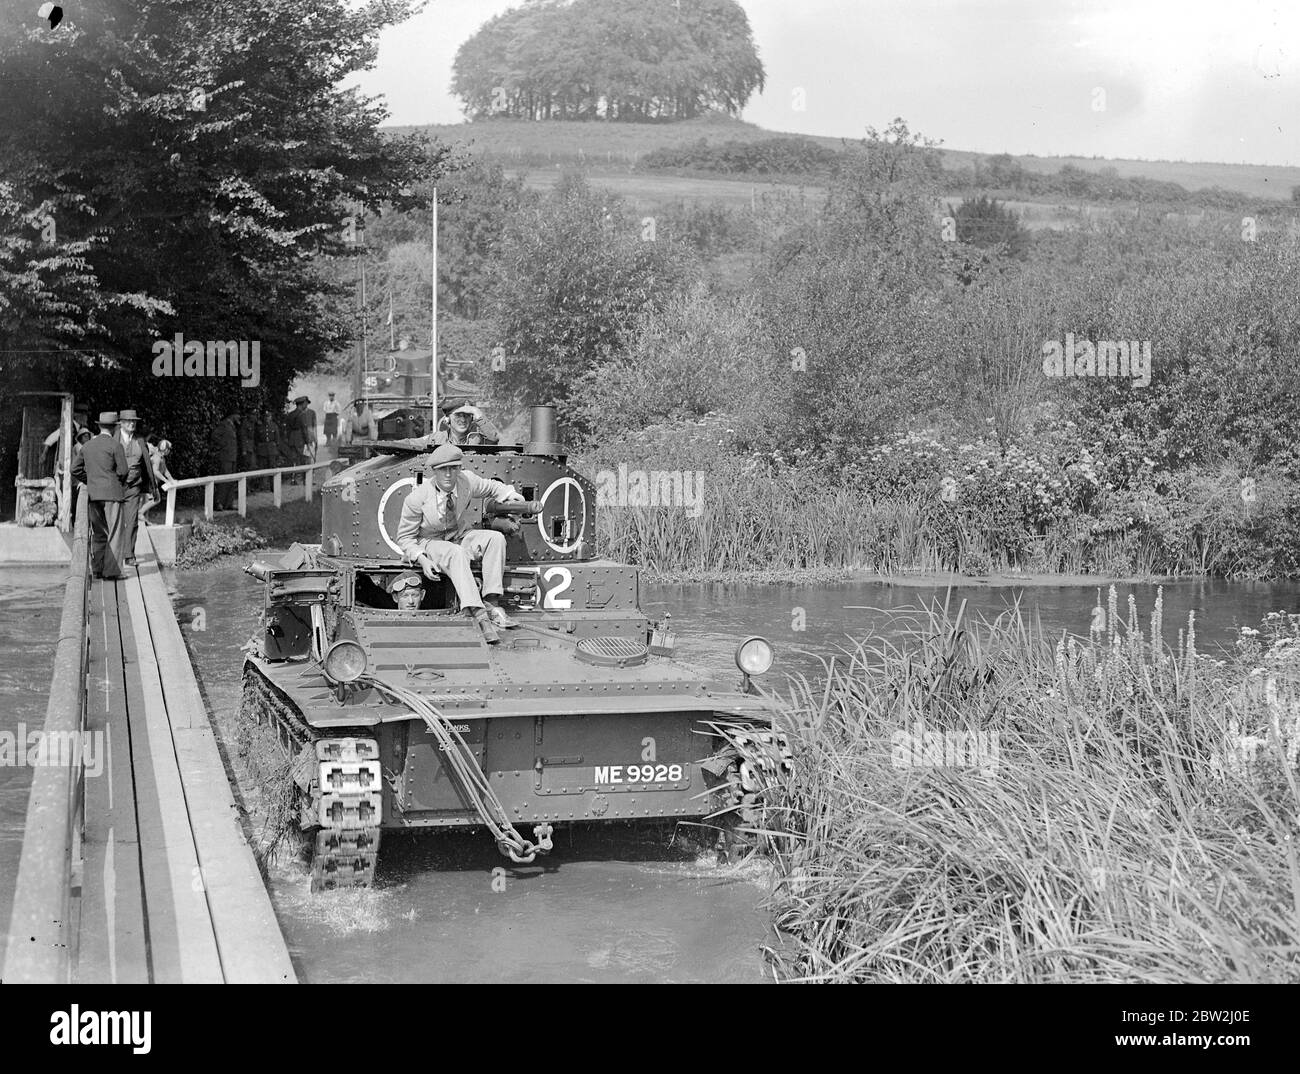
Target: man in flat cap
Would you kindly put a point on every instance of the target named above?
(434, 533)
(101, 466)
(140, 481)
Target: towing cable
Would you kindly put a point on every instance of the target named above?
(460, 760)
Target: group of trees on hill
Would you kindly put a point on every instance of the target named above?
(627, 60)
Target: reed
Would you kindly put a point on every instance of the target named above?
(773, 523)
(1119, 830)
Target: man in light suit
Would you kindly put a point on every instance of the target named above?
(101, 466)
(435, 534)
(140, 481)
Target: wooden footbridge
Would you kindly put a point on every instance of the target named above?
(136, 869)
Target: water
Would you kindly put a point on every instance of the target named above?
(614, 904)
(618, 905)
(609, 904)
(717, 617)
(31, 605)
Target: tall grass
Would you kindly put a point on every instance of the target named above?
(1123, 832)
(748, 522)
(741, 526)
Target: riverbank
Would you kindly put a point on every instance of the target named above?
(803, 576)
(228, 538)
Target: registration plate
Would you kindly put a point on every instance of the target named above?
(638, 773)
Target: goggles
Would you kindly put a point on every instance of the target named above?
(405, 582)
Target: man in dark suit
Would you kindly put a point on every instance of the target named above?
(140, 481)
(101, 466)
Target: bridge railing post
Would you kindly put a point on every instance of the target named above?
(171, 507)
(243, 497)
(207, 501)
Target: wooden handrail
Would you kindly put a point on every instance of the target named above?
(41, 928)
(208, 483)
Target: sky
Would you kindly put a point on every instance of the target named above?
(1204, 80)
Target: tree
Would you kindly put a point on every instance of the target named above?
(850, 309)
(199, 161)
(575, 272)
(630, 60)
(986, 222)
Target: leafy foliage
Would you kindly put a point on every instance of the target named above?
(198, 161)
(627, 60)
(984, 222)
(769, 156)
(575, 273)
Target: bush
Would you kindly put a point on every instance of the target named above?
(767, 156)
(574, 275)
(211, 540)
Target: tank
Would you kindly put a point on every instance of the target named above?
(407, 718)
(396, 418)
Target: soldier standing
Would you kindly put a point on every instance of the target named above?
(247, 449)
(312, 438)
(299, 430)
(101, 466)
(434, 534)
(140, 482)
(266, 442)
(332, 410)
(227, 444)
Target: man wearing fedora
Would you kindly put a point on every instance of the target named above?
(140, 481)
(101, 466)
(435, 534)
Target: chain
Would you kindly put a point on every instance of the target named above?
(460, 760)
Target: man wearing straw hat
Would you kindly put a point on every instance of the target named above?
(101, 466)
(434, 533)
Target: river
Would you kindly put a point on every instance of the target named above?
(606, 906)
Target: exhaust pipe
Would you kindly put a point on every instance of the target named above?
(542, 438)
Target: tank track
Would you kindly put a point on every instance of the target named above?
(340, 786)
(746, 773)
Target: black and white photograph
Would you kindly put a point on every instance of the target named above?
(709, 492)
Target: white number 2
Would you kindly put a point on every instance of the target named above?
(550, 599)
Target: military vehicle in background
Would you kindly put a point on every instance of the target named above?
(408, 719)
(399, 398)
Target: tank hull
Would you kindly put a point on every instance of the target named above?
(656, 761)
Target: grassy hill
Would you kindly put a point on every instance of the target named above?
(613, 147)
